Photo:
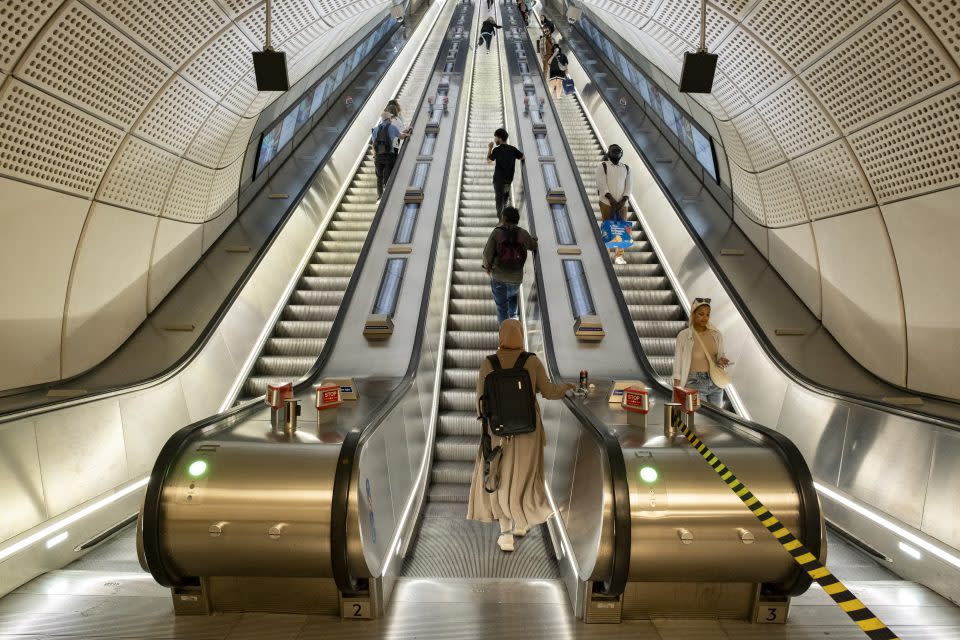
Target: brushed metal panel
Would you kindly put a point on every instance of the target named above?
(794, 255)
(81, 453)
(760, 384)
(817, 426)
(21, 486)
(208, 379)
(924, 237)
(940, 509)
(886, 463)
(148, 420)
(756, 233)
(212, 229)
(32, 309)
(862, 306)
(109, 287)
(176, 248)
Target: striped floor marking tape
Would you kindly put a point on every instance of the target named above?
(856, 610)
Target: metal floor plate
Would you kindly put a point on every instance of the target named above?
(93, 599)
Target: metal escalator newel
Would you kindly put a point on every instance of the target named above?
(327, 402)
(274, 398)
(291, 409)
(588, 329)
(378, 327)
(568, 251)
(670, 410)
(400, 248)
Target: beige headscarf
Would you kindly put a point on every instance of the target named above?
(511, 334)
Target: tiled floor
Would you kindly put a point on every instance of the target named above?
(106, 595)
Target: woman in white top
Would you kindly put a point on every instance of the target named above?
(697, 346)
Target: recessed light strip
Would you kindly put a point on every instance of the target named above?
(46, 532)
(875, 517)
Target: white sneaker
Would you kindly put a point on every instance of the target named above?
(620, 260)
(520, 532)
(505, 542)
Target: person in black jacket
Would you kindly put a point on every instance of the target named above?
(505, 156)
(487, 29)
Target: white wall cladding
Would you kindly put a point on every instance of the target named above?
(826, 111)
(123, 125)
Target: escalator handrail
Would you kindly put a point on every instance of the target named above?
(350, 449)
(175, 445)
(811, 530)
(750, 320)
(616, 584)
(218, 316)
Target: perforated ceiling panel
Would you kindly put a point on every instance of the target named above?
(801, 30)
(881, 69)
(831, 181)
(140, 177)
(943, 17)
(173, 36)
(88, 63)
(176, 116)
(683, 19)
(288, 18)
(48, 142)
(20, 20)
(760, 143)
(796, 119)
(782, 203)
(915, 151)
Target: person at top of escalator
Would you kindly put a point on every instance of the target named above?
(545, 46)
(558, 71)
(519, 501)
(699, 356)
(487, 30)
(384, 138)
(524, 11)
(614, 185)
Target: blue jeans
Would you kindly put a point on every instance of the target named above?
(505, 296)
(700, 380)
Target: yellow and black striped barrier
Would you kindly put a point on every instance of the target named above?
(856, 610)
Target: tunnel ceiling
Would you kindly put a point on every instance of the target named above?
(823, 106)
(147, 104)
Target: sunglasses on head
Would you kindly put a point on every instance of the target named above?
(707, 300)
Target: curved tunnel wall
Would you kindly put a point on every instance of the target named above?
(123, 125)
(840, 127)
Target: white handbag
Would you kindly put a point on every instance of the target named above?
(720, 377)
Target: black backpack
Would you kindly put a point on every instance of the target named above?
(507, 408)
(511, 252)
(382, 143)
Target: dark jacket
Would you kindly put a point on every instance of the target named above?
(511, 276)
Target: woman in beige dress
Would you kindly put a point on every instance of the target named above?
(521, 500)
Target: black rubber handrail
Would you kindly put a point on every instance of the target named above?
(616, 583)
(151, 513)
(207, 332)
(769, 348)
(340, 501)
(811, 530)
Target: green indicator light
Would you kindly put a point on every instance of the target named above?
(197, 468)
(649, 474)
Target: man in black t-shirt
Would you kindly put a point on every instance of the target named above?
(505, 157)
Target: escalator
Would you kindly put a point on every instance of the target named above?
(301, 331)
(657, 314)
(447, 544)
